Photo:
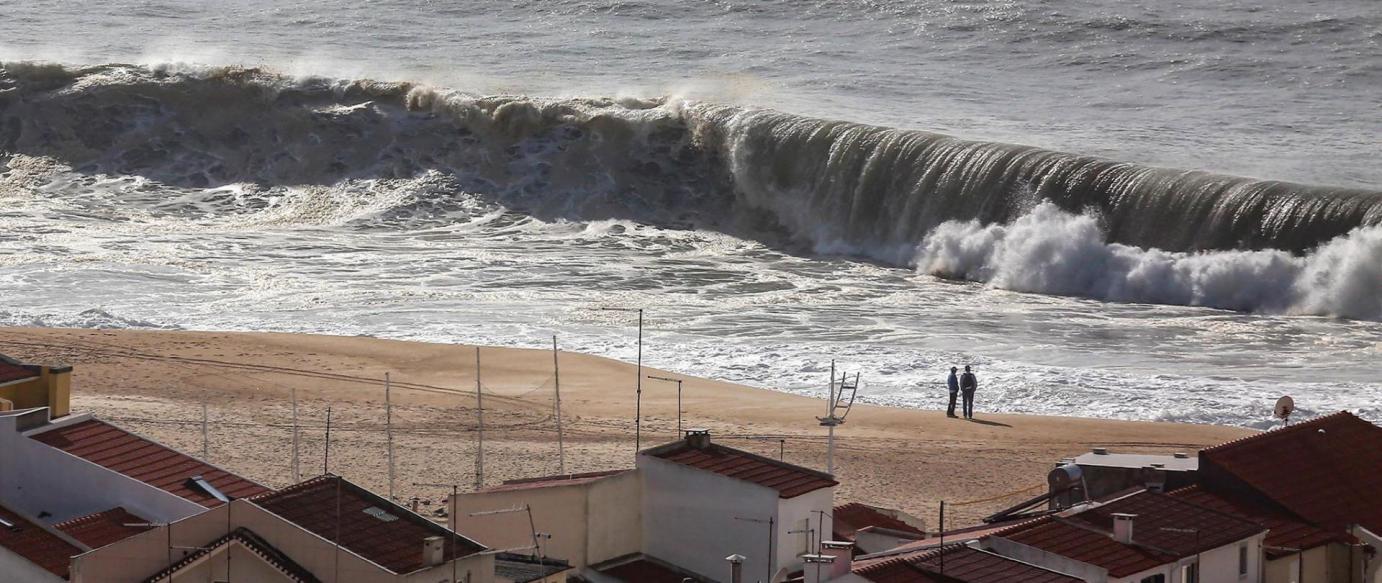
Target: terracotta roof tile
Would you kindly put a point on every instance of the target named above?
(103, 528)
(643, 569)
(366, 523)
(39, 546)
(1323, 470)
(149, 462)
(961, 563)
(1087, 536)
(11, 370)
(849, 518)
(1284, 530)
(789, 480)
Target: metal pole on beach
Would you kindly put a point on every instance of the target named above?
(388, 429)
(480, 417)
(638, 392)
(556, 376)
(206, 447)
(297, 471)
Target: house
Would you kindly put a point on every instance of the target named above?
(685, 507)
(873, 529)
(955, 563)
(27, 386)
(586, 518)
(1145, 537)
(703, 501)
(326, 529)
(1319, 483)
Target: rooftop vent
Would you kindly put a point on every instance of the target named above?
(206, 486)
(7, 524)
(1100, 451)
(1180, 455)
(379, 513)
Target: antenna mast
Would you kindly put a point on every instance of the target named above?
(556, 376)
(297, 471)
(837, 407)
(480, 413)
(388, 429)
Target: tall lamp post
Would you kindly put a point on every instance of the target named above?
(638, 396)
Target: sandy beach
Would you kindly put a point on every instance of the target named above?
(155, 382)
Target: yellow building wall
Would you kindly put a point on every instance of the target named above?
(51, 389)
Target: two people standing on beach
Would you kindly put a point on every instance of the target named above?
(966, 384)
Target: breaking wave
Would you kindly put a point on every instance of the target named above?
(232, 141)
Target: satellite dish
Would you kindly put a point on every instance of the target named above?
(1284, 407)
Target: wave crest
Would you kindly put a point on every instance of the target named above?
(1055, 252)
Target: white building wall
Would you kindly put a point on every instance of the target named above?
(36, 478)
(16, 568)
(694, 519)
(615, 504)
(802, 513)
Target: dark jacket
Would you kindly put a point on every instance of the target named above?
(953, 382)
(968, 381)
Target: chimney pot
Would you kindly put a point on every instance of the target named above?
(843, 551)
(433, 551)
(1122, 527)
(736, 568)
(698, 438)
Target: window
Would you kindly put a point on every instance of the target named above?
(1158, 578)
(1190, 573)
(1242, 561)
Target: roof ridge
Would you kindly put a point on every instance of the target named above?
(85, 518)
(1276, 431)
(778, 463)
(572, 476)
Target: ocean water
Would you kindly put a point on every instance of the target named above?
(1113, 209)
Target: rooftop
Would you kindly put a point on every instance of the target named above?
(1088, 535)
(364, 523)
(248, 539)
(640, 568)
(850, 518)
(525, 568)
(553, 481)
(13, 370)
(1137, 461)
(960, 563)
(103, 528)
(922, 546)
(147, 461)
(1323, 470)
(1285, 531)
(789, 480)
(40, 547)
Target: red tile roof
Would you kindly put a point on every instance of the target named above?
(39, 546)
(1324, 470)
(789, 480)
(248, 539)
(13, 370)
(644, 569)
(552, 481)
(105, 527)
(149, 462)
(1087, 536)
(925, 545)
(366, 523)
(1284, 530)
(849, 518)
(961, 563)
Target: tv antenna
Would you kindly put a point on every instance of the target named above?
(839, 403)
(1285, 406)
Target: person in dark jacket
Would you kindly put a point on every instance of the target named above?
(953, 383)
(968, 384)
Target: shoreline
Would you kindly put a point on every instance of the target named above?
(154, 382)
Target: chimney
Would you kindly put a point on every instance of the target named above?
(817, 568)
(843, 552)
(736, 568)
(433, 551)
(698, 438)
(1122, 527)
